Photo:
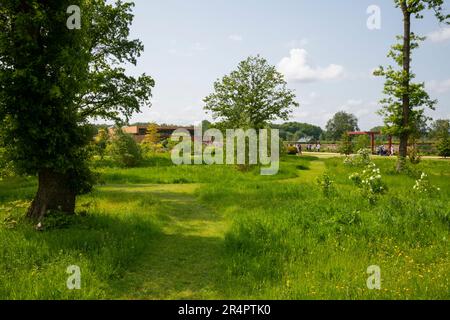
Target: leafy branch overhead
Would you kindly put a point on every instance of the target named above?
(55, 79)
(110, 93)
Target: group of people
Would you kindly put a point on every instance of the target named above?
(383, 151)
(314, 148)
(309, 148)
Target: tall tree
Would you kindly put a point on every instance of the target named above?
(340, 123)
(60, 66)
(441, 132)
(403, 106)
(296, 130)
(251, 96)
(439, 128)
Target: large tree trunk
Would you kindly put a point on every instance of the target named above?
(404, 136)
(54, 194)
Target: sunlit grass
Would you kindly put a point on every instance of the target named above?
(213, 232)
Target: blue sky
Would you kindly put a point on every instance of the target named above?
(323, 47)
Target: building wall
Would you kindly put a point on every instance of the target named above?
(138, 132)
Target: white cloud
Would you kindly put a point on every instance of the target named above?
(235, 37)
(358, 107)
(439, 86)
(440, 35)
(296, 68)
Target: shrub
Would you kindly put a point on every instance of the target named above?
(124, 150)
(370, 182)
(346, 146)
(362, 142)
(348, 217)
(291, 150)
(150, 150)
(362, 158)
(424, 186)
(152, 141)
(444, 147)
(326, 184)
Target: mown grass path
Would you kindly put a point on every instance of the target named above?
(308, 174)
(184, 261)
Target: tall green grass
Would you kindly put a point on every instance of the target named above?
(279, 237)
(288, 241)
(104, 240)
(160, 170)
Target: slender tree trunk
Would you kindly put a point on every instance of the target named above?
(54, 194)
(404, 136)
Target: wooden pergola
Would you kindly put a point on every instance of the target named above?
(372, 135)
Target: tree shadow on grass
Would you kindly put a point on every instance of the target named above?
(127, 246)
(103, 246)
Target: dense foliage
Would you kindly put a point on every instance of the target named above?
(294, 131)
(124, 150)
(54, 79)
(251, 96)
(340, 123)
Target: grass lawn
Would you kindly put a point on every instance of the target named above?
(213, 232)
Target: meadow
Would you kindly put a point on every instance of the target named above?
(161, 231)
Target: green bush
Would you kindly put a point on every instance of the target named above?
(291, 150)
(370, 182)
(124, 150)
(362, 158)
(362, 142)
(444, 147)
(346, 145)
(326, 184)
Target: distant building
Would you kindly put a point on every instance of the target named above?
(305, 140)
(139, 132)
